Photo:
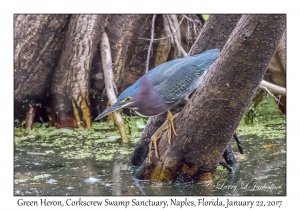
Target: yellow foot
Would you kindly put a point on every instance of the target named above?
(168, 124)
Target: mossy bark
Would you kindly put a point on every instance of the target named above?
(218, 103)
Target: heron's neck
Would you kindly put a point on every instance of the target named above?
(149, 102)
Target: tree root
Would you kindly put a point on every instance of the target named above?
(108, 75)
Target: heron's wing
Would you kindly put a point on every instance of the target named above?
(179, 78)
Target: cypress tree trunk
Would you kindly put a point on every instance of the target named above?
(38, 42)
(70, 88)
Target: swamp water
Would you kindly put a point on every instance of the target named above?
(48, 161)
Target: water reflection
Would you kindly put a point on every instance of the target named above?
(262, 173)
(116, 177)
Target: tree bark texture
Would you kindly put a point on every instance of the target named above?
(216, 32)
(38, 42)
(212, 115)
(70, 88)
(276, 72)
(223, 24)
(277, 66)
(129, 51)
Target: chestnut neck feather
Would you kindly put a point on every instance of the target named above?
(147, 102)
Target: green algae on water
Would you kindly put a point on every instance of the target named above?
(270, 123)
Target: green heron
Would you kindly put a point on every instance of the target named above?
(162, 88)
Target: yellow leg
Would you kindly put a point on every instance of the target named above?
(169, 125)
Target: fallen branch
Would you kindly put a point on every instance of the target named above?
(272, 88)
(150, 44)
(109, 85)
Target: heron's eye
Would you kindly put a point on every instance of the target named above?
(128, 99)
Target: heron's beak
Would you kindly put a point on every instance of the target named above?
(118, 105)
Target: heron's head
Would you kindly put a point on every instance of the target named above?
(127, 99)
